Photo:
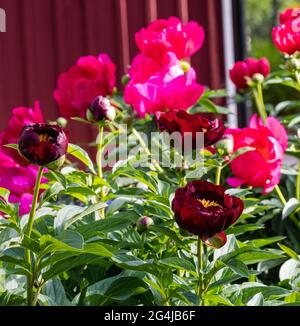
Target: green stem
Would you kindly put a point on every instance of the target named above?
(99, 166)
(146, 149)
(200, 268)
(297, 76)
(28, 232)
(259, 99)
(298, 183)
(280, 195)
(218, 175)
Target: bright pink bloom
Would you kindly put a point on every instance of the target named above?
(20, 181)
(89, 78)
(21, 116)
(286, 37)
(275, 127)
(259, 168)
(155, 87)
(171, 35)
(289, 14)
(248, 68)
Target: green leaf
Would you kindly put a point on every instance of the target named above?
(64, 215)
(138, 175)
(72, 238)
(90, 210)
(4, 193)
(290, 207)
(13, 146)
(179, 263)
(290, 252)
(257, 300)
(117, 288)
(241, 151)
(238, 267)
(81, 155)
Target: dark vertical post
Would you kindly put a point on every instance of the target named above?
(239, 21)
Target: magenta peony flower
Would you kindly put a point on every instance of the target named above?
(20, 181)
(275, 127)
(289, 14)
(155, 87)
(171, 35)
(259, 168)
(78, 87)
(286, 37)
(21, 116)
(248, 68)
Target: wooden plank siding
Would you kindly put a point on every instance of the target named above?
(45, 37)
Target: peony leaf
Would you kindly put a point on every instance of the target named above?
(290, 207)
(82, 156)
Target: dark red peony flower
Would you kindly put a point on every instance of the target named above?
(181, 121)
(204, 209)
(248, 68)
(100, 110)
(21, 116)
(43, 144)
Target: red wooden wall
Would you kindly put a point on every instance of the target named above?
(45, 37)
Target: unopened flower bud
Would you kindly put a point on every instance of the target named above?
(100, 110)
(217, 241)
(185, 65)
(43, 144)
(258, 78)
(143, 223)
(62, 122)
(293, 64)
(225, 146)
(125, 79)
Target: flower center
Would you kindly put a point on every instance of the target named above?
(44, 137)
(208, 203)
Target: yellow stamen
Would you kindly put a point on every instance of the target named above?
(43, 137)
(208, 203)
(204, 130)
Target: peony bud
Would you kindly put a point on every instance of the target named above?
(293, 64)
(217, 241)
(43, 144)
(225, 146)
(258, 78)
(125, 79)
(100, 110)
(143, 223)
(185, 66)
(62, 122)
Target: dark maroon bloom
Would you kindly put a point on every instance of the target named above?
(42, 143)
(100, 110)
(204, 209)
(181, 121)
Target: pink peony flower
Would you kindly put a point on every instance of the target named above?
(248, 68)
(289, 14)
(286, 37)
(89, 78)
(275, 127)
(171, 35)
(259, 168)
(20, 181)
(155, 87)
(21, 116)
